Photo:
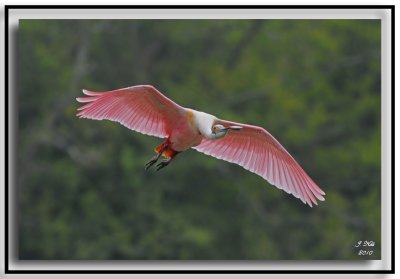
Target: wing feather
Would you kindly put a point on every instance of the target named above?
(274, 176)
(239, 152)
(257, 162)
(258, 151)
(289, 181)
(281, 178)
(141, 108)
(301, 186)
(279, 174)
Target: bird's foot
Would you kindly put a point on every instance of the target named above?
(163, 164)
(151, 162)
(155, 158)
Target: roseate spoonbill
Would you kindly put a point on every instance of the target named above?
(144, 109)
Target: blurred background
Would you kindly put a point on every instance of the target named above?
(83, 193)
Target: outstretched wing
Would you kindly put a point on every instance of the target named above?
(258, 151)
(141, 108)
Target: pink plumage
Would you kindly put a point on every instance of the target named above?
(144, 109)
(139, 108)
(258, 151)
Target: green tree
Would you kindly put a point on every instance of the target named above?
(82, 189)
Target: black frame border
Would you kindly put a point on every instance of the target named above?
(209, 7)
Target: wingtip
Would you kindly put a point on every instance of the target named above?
(84, 99)
(320, 195)
(320, 198)
(91, 93)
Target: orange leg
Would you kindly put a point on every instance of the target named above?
(165, 151)
(155, 158)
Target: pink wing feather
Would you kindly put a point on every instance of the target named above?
(258, 151)
(141, 108)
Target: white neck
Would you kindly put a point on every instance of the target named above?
(204, 123)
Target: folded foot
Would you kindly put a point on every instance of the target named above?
(155, 158)
(151, 162)
(163, 164)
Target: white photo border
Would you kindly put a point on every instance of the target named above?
(385, 13)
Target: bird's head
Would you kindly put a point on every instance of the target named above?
(220, 130)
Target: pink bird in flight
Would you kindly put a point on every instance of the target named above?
(144, 109)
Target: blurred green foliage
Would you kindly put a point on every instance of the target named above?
(83, 192)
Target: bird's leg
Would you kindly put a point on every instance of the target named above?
(152, 161)
(155, 158)
(163, 163)
(170, 155)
